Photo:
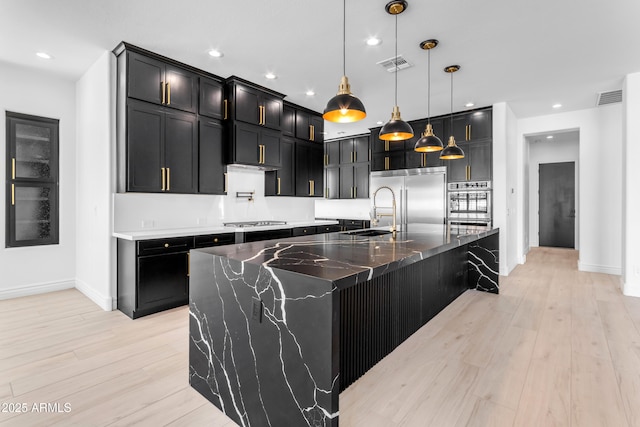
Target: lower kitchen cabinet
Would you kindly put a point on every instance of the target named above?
(282, 182)
(354, 224)
(304, 231)
(254, 236)
(333, 228)
(153, 275)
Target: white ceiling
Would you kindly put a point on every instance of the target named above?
(531, 54)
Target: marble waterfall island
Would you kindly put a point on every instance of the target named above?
(279, 328)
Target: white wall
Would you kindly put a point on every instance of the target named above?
(505, 210)
(631, 199)
(42, 268)
(95, 256)
(347, 209)
(600, 197)
(542, 150)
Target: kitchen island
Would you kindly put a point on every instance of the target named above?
(279, 328)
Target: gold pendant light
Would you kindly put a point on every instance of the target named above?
(344, 107)
(428, 143)
(452, 151)
(396, 129)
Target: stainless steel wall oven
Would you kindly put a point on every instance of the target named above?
(469, 203)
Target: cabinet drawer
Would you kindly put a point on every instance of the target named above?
(329, 228)
(359, 223)
(164, 246)
(214, 240)
(302, 231)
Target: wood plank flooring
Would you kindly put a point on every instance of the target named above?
(557, 347)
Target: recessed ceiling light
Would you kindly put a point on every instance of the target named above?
(469, 104)
(379, 122)
(43, 55)
(216, 53)
(557, 105)
(271, 76)
(373, 41)
(550, 137)
(310, 93)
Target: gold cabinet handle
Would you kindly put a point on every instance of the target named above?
(225, 106)
(188, 264)
(386, 163)
(326, 193)
(163, 92)
(311, 132)
(166, 245)
(261, 114)
(13, 168)
(168, 93)
(164, 178)
(168, 179)
(355, 156)
(351, 157)
(226, 182)
(278, 186)
(13, 194)
(355, 192)
(215, 240)
(326, 159)
(386, 146)
(469, 132)
(311, 187)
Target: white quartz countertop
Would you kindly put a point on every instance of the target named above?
(196, 231)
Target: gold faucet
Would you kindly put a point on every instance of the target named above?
(393, 207)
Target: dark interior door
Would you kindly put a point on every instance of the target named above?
(557, 213)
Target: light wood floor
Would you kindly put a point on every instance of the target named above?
(557, 347)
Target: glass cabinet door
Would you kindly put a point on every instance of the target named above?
(32, 180)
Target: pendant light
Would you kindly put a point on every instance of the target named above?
(396, 129)
(452, 151)
(344, 107)
(428, 142)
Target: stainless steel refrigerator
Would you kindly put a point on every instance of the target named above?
(420, 196)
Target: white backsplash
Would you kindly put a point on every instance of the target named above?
(139, 211)
(347, 209)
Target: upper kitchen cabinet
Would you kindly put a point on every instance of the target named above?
(309, 125)
(354, 150)
(347, 171)
(309, 169)
(288, 120)
(469, 126)
(153, 80)
(162, 149)
(414, 159)
(254, 104)
(332, 153)
(255, 146)
(377, 145)
(282, 182)
(211, 103)
(211, 166)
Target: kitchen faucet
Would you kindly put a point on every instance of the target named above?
(393, 207)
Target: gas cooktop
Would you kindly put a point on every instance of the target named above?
(242, 224)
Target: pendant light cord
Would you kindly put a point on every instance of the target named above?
(429, 86)
(396, 61)
(344, 37)
(451, 103)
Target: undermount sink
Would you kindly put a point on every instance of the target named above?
(368, 232)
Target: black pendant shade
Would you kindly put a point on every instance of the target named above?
(344, 107)
(396, 129)
(452, 151)
(428, 143)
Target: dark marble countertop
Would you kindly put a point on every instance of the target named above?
(346, 259)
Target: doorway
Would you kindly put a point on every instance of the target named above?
(557, 211)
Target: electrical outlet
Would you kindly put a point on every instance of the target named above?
(148, 223)
(256, 309)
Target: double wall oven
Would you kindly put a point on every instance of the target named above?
(469, 203)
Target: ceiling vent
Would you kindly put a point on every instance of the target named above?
(394, 64)
(611, 97)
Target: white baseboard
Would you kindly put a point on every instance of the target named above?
(594, 268)
(36, 288)
(630, 289)
(104, 302)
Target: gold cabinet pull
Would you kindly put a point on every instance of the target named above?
(261, 153)
(188, 264)
(261, 115)
(469, 132)
(225, 107)
(215, 240)
(168, 93)
(326, 159)
(13, 168)
(226, 182)
(311, 133)
(386, 163)
(326, 193)
(386, 146)
(168, 179)
(13, 194)
(311, 187)
(355, 192)
(162, 90)
(166, 245)
(355, 156)
(164, 178)
(278, 186)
